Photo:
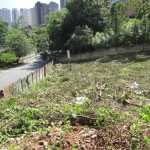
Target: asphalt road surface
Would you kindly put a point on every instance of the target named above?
(12, 75)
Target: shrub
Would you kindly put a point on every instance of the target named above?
(7, 59)
(81, 40)
(102, 40)
(18, 43)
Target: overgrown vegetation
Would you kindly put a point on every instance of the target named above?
(3, 31)
(111, 94)
(18, 43)
(84, 25)
(7, 59)
(110, 27)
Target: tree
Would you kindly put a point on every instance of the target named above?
(87, 12)
(142, 13)
(40, 38)
(18, 43)
(54, 29)
(63, 23)
(3, 32)
(131, 32)
(20, 23)
(141, 8)
(116, 19)
(81, 40)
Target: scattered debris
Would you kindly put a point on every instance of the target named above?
(80, 137)
(81, 100)
(134, 86)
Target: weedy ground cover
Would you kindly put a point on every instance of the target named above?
(111, 94)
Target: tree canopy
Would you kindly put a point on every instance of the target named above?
(84, 25)
(87, 12)
(81, 40)
(63, 23)
(54, 29)
(3, 32)
(18, 43)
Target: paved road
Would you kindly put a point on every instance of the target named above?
(12, 75)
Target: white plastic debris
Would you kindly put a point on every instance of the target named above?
(48, 76)
(81, 100)
(135, 85)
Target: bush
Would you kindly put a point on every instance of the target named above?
(18, 43)
(81, 40)
(101, 40)
(7, 59)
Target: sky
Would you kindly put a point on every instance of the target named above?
(22, 3)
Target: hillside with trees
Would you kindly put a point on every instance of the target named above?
(84, 25)
(106, 27)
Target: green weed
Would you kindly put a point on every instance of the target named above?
(106, 84)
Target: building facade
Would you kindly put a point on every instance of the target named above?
(62, 3)
(0, 14)
(5, 16)
(38, 13)
(45, 10)
(15, 16)
(53, 6)
(32, 17)
(24, 17)
(42, 10)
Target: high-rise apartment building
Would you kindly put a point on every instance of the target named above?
(5, 16)
(53, 6)
(38, 13)
(0, 14)
(24, 17)
(32, 17)
(45, 10)
(15, 15)
(62, 3)
(42, 9)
